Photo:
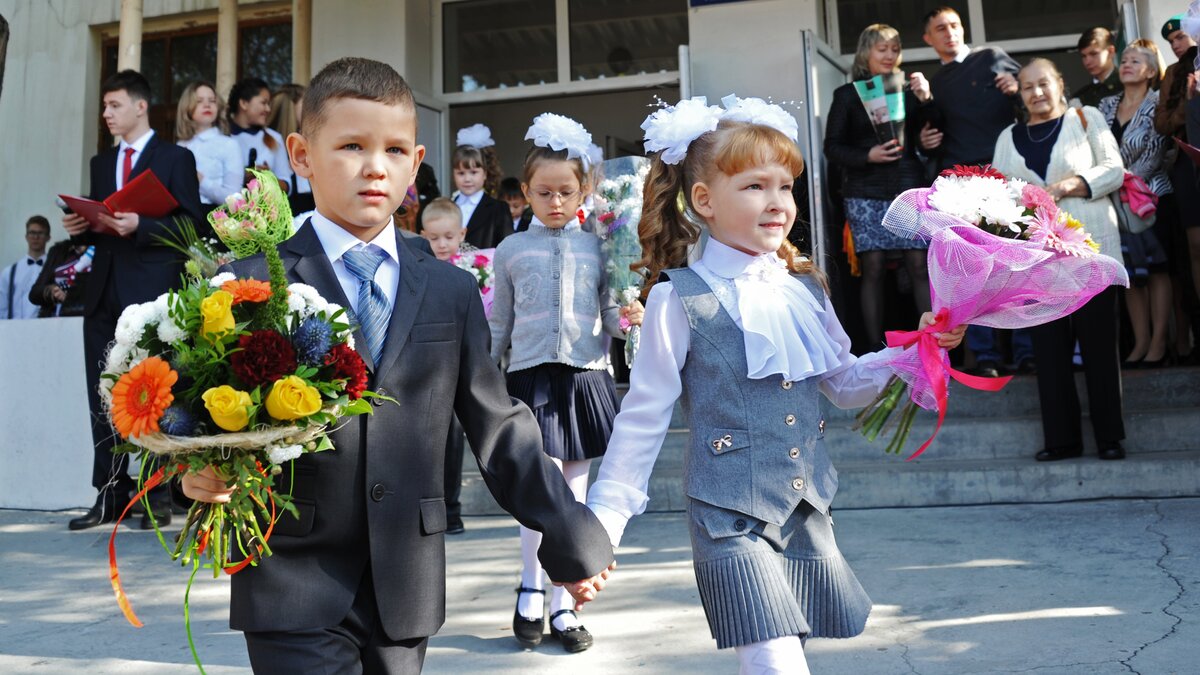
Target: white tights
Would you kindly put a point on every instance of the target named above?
(779, 656)
(530, 605)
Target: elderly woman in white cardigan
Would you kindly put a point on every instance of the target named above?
(1073, 155)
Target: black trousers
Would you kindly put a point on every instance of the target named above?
(98, 330)
(1095, 327)
(455, 447)
(109, 470)
(356, 646)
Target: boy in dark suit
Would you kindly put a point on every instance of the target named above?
(357, 582)
(127, 269)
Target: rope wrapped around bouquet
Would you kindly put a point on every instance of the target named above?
(165, 444)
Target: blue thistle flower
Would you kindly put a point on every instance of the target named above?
(312, 340)
(177, 421)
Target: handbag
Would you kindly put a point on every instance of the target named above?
(1127, 220)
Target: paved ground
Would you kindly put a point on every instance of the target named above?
(1084, 588)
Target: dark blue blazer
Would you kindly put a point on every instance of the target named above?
(139, 268)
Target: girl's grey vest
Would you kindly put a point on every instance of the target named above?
(756, 445)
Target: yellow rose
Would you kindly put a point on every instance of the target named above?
(291, 398)
(228, 407)
(217, 312)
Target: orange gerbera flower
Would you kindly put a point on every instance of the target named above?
(247, 290)
(140, 397)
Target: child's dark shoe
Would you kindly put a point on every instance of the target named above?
(574, 639)
(527, 631)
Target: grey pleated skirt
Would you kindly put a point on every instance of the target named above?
(759, 581)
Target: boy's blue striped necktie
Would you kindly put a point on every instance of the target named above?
(372, 311)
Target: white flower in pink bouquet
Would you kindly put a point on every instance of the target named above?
(977, 199)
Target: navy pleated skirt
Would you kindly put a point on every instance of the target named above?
(574, 407)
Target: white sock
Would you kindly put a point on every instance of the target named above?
(576, 475)
(779, 656)
(531, 605)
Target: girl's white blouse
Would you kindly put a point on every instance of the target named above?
(787, 332)
(219, 160)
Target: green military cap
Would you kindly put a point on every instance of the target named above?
(1173, 24)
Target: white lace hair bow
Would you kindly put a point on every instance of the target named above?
(561, 133)
(758, 111)
(672, 128)
(595, 154)
(475, 136)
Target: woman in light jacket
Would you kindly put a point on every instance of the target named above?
(1073, 155)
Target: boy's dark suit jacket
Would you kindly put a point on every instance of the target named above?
(138, 268)
(376, 501)
(490, 223)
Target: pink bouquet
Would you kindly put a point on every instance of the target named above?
(1001, 254)
(479, 263)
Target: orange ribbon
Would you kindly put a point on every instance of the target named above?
(933, 361)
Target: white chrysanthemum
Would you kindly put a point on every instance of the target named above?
(279, 455)
(560, 133)
(169, 331)
(977, 198)
(220, 279)
(758, 111)
(475, 136)
(673, 128)
(132, 323)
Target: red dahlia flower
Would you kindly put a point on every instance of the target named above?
(348, 365)
(972, 171)
(264, 356)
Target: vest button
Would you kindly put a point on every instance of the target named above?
(378, 401)
(739, 524)
(787, 384)
(821, 427)
(798, 484)
(377, 492)
(789, 420)
(794, 453)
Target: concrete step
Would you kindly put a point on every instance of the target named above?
(1141, 390)
(1150, 474)
(888, 482)
(983, 438)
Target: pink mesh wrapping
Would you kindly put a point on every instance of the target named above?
(986, 280)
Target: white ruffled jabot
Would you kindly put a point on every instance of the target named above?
(782, 323)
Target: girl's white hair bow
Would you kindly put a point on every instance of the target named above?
(671, 129)
(475, 136)
(758, 111)
(561, 133)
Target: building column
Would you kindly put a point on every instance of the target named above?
(227, 46)
(129, 40)
(301, 41)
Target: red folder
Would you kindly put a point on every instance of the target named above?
(1190, 150)
(144, 195)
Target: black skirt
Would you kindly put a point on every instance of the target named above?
(574, 407)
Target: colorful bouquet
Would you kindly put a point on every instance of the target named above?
(479, 263)
(237, 374)
(618, 209)
(1001, 254)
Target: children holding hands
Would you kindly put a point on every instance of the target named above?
(357, 581)
(747, 338)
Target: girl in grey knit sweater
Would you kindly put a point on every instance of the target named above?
(552, 304)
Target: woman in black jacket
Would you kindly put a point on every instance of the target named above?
(874, 173)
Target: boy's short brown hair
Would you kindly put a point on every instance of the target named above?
(441, 208)
(353, 77)
(1099, 36)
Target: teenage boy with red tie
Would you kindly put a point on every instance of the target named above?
(130, 267)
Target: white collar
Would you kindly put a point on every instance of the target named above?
(963, 52)
(140, 144)
(336, 241)
(208, 133)
(473, 200)
(572, 224)
(725, 261)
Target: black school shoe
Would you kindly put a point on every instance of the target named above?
(1055, 454)
(528, 631)
(574, 640)
(1111, 450)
